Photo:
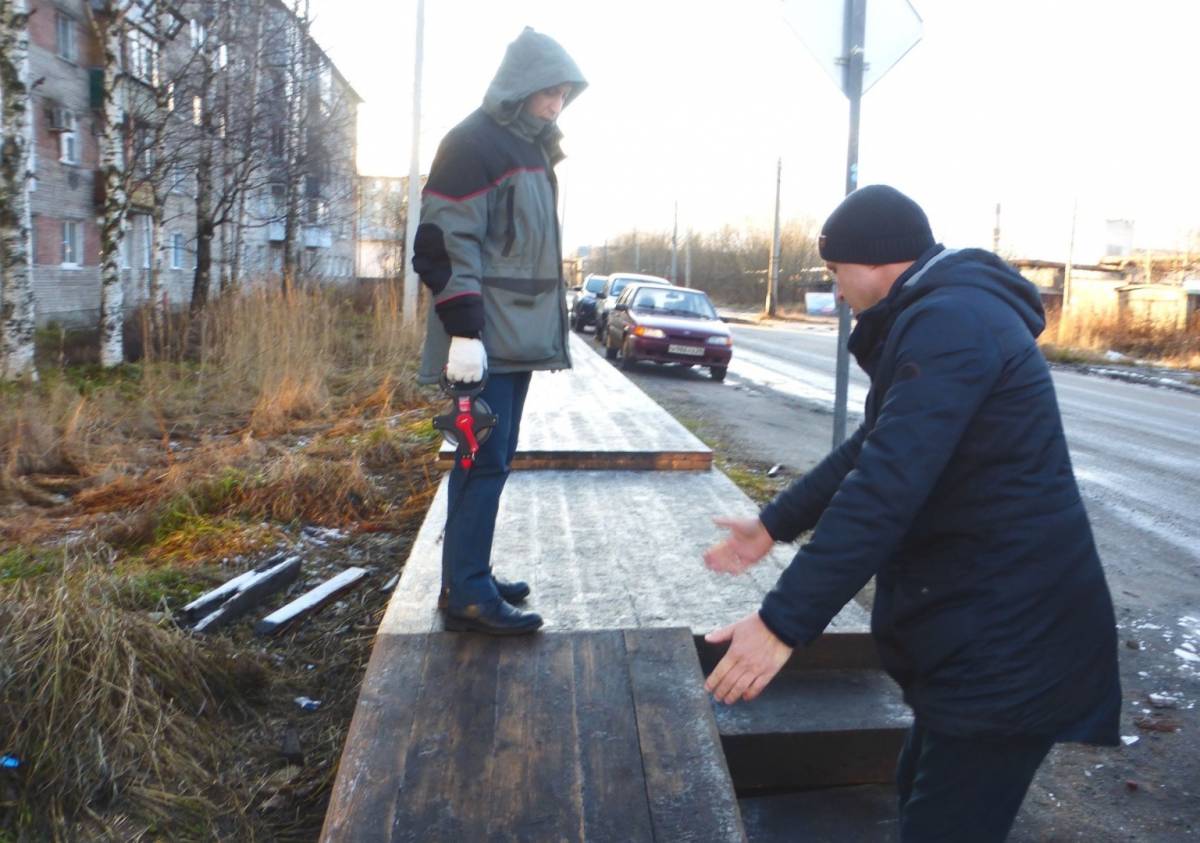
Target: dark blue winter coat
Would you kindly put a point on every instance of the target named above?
(991, 608)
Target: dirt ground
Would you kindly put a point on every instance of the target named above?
(1146, 790)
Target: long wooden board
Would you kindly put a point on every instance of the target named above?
(605, 737)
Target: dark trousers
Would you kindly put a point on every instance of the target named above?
(963, 789)
(474, 498)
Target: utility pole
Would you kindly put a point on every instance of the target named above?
(996, 231)
(687, 260)
(675, 245)
(637, 253)
(1068, 269)
(773, 264)
(411, 281)
(854, 36)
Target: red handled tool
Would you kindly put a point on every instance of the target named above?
(469, 422)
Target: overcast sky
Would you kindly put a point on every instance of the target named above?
(1033, 104)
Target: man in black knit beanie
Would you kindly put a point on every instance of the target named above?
(957, 494)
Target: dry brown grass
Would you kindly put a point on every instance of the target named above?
(235, 428)
(1140, 339)
(104, 707)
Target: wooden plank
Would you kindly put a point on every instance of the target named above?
(838, 648)
(534, 782)
(445, 788)
(593, 417)
(311, 601)
(602, 460)
(607, 550)
(762, 763)
(690, 791)
(372, 771)
(865, 814)
(209, 601)
(615, 807)
(252, 592)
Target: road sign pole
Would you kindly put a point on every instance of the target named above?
(854, 32)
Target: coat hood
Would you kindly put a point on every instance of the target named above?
(941, 267)
(973, 268)
(532, 62)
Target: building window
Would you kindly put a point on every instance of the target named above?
(177, 251)
(143, 57)
(71, 242)
(147, 241)
(197, 110)
(64, 27)
(68, 136)
(278, 200)
(143, 151)
(198, 34)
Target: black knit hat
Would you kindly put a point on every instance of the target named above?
(875, 225)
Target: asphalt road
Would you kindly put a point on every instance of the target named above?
(1136, 453)
(1135, 448)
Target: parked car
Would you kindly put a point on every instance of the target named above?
(607, 297)
(583, 301)
(668, 325)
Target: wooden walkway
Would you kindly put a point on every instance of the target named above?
(598, 728)
(600, 736)
(592, 416)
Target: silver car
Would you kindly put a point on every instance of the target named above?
(605, 299)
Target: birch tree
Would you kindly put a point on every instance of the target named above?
(108, 17)
(16, 289)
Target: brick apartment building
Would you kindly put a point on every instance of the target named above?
(66, 193)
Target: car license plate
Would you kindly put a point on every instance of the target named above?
(691, 350)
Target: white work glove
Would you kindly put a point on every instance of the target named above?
(467, 360)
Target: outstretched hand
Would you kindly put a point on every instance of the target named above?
(754, 657)
(747, 543)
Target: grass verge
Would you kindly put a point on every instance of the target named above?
(126, 493)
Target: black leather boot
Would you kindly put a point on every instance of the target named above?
(495, 618)
(513, 593)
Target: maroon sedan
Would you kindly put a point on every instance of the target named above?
(668, 325)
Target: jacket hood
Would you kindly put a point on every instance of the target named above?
(940, 267)
(532, 62)
(973, 268)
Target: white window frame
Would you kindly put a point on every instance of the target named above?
(72, 244)
(66, 44)
(147, 241)
(143, 56)
(68, 139)
(198, 33)
(177, 250)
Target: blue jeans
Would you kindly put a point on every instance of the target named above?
(954, 789)
(474, 497)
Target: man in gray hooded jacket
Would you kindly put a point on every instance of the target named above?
(488, 249)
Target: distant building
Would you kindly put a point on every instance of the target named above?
(67, 191)
(1118, 287)
(382, 226)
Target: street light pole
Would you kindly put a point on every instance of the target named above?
(854, 34)
(413, 214)
(773, 262)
